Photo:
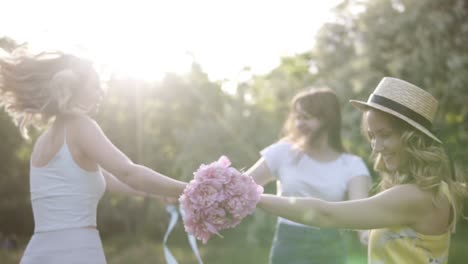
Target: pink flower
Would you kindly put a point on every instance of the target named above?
(218, 197)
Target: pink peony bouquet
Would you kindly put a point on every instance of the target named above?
(218, 197)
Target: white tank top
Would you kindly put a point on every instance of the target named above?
(63, 195)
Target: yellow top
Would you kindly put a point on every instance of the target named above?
(403, 245)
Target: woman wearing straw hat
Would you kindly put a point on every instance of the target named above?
(310, 161)
(413, 216)
(72, 162)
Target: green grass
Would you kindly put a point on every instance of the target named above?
(217, 251)
(230, 250)
(239, 246)
(139, 250)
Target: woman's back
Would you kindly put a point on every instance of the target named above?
(63, 193)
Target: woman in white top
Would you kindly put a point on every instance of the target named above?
(72, 162)
(310, 161)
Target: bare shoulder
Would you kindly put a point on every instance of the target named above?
(82, 124)
(83, 130)
(412, 196)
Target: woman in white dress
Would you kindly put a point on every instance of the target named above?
(310, 161)
(72, 162)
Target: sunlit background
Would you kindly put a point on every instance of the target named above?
(145, 39)
(196, 79)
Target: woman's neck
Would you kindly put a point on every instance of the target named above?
(319, 149)
(317, 144)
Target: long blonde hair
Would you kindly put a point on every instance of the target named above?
(427, 164)
(36, 87)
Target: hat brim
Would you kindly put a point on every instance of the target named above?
(363, 106)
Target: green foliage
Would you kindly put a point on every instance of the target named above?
(178, 123)
(14, 184)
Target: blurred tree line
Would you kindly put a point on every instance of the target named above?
(181, 121)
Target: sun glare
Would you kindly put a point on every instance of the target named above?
(145, 39)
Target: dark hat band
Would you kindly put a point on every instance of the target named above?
(397, 107)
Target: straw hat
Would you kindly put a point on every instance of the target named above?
(405, 101)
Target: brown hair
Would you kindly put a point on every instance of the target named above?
(323, 104)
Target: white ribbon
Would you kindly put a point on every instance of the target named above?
(170, 259)
(192, 241)
(172, 210)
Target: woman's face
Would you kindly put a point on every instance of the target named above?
(385, 139)
(306, 123)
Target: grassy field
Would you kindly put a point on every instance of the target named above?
(131, 249)
(233, 249)
(221, 251)
(246, 244)
(150, 252)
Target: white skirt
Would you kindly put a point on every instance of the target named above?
(70, 246)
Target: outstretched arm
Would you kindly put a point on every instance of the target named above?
(260, 172)
(400, 205)
(95, 145)
(114, 185)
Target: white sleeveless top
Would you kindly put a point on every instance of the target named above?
(63, 195)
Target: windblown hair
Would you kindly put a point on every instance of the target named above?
(427, 164)
(323, 104)
(36, 87)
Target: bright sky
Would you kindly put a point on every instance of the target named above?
(144, 39)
